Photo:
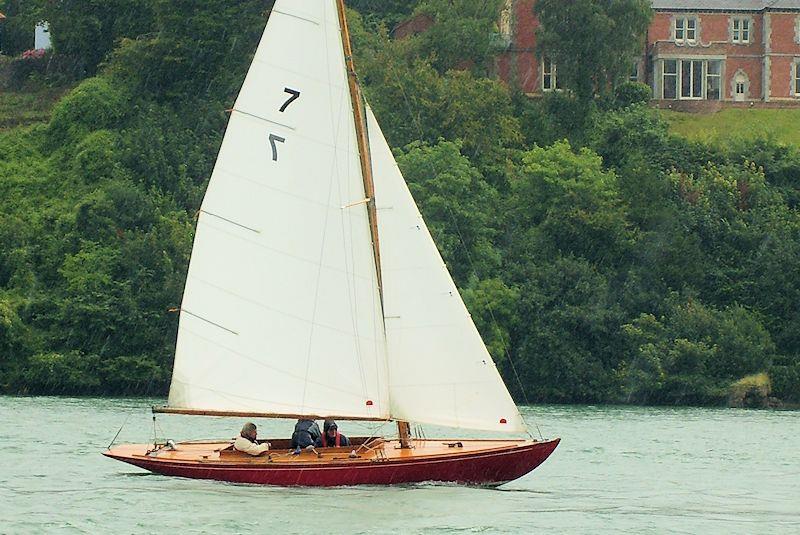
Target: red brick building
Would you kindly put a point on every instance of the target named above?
(697, 50)
(747, 50)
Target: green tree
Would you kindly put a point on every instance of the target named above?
(693, 353)
(15, 337)
(389, 12)
(196, 48)
(565, 348)
(97, 103)
(86, 30)
(563, 202)
(592, 42)
(17, 31)
(463, 33)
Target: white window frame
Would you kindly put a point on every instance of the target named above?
(796, 77)
(797, 30)
(682, 28)
(665, 74)
(699, 93)
(707, 75)
(676, 78)
(741, 30)
(552, 74)
(633, 76)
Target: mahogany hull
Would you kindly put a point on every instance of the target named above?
(480, 467)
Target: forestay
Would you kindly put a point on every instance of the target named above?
(439, 369)
(281, 312)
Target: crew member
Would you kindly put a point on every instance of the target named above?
(247, 443)
(331, 437)
(306, 433)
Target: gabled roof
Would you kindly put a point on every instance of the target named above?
(2, 16)
(725, 5)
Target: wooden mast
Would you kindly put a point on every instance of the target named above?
(363, 141)
(366, 168)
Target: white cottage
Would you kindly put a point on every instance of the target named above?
(41, 39)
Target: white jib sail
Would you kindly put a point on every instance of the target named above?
(281, 312)
(440, 371)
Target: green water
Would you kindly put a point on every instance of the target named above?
(618, 470)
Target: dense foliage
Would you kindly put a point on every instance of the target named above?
(603, 259)
(594, 44)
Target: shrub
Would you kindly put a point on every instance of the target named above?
(94, 105)
(14, 335)
(57, 373)
(134, 375)
(96, 156)
(750, 391)
(29, 63)
(632, 93)
(786, 382)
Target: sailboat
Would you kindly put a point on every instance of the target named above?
(316, 291)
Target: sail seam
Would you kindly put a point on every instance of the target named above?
(278, 190)
(254, 116)
(201, 318)
(312, 21)
(310, 139)
(301, 74)
(234, 397)
(278, 311)
(277, 370)
(229, 221)
(288, 255)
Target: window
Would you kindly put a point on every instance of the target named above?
(691, 79)
(740, 86)
(740, 31)
(549, 75)
(670, 83)
(685, 30)
(714, 80)
(634, 74)
(797, 30)
(796, 78)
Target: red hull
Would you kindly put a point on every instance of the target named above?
(476, 468)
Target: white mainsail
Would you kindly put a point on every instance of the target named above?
(440, 371)
(281, 312)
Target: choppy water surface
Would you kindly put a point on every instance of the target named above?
(618, 470)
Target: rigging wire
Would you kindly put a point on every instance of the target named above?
(454, 222)
(157, 429)
(373, 434)
(120, 430)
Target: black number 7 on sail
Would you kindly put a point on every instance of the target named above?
(295, 94)
(272, 140)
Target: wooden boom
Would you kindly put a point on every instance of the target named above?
(249, 414)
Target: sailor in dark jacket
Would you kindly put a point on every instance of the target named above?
(306, 433)
(331, 437)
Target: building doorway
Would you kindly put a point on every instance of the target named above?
(741, 86)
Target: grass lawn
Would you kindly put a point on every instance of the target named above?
(735, 123)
